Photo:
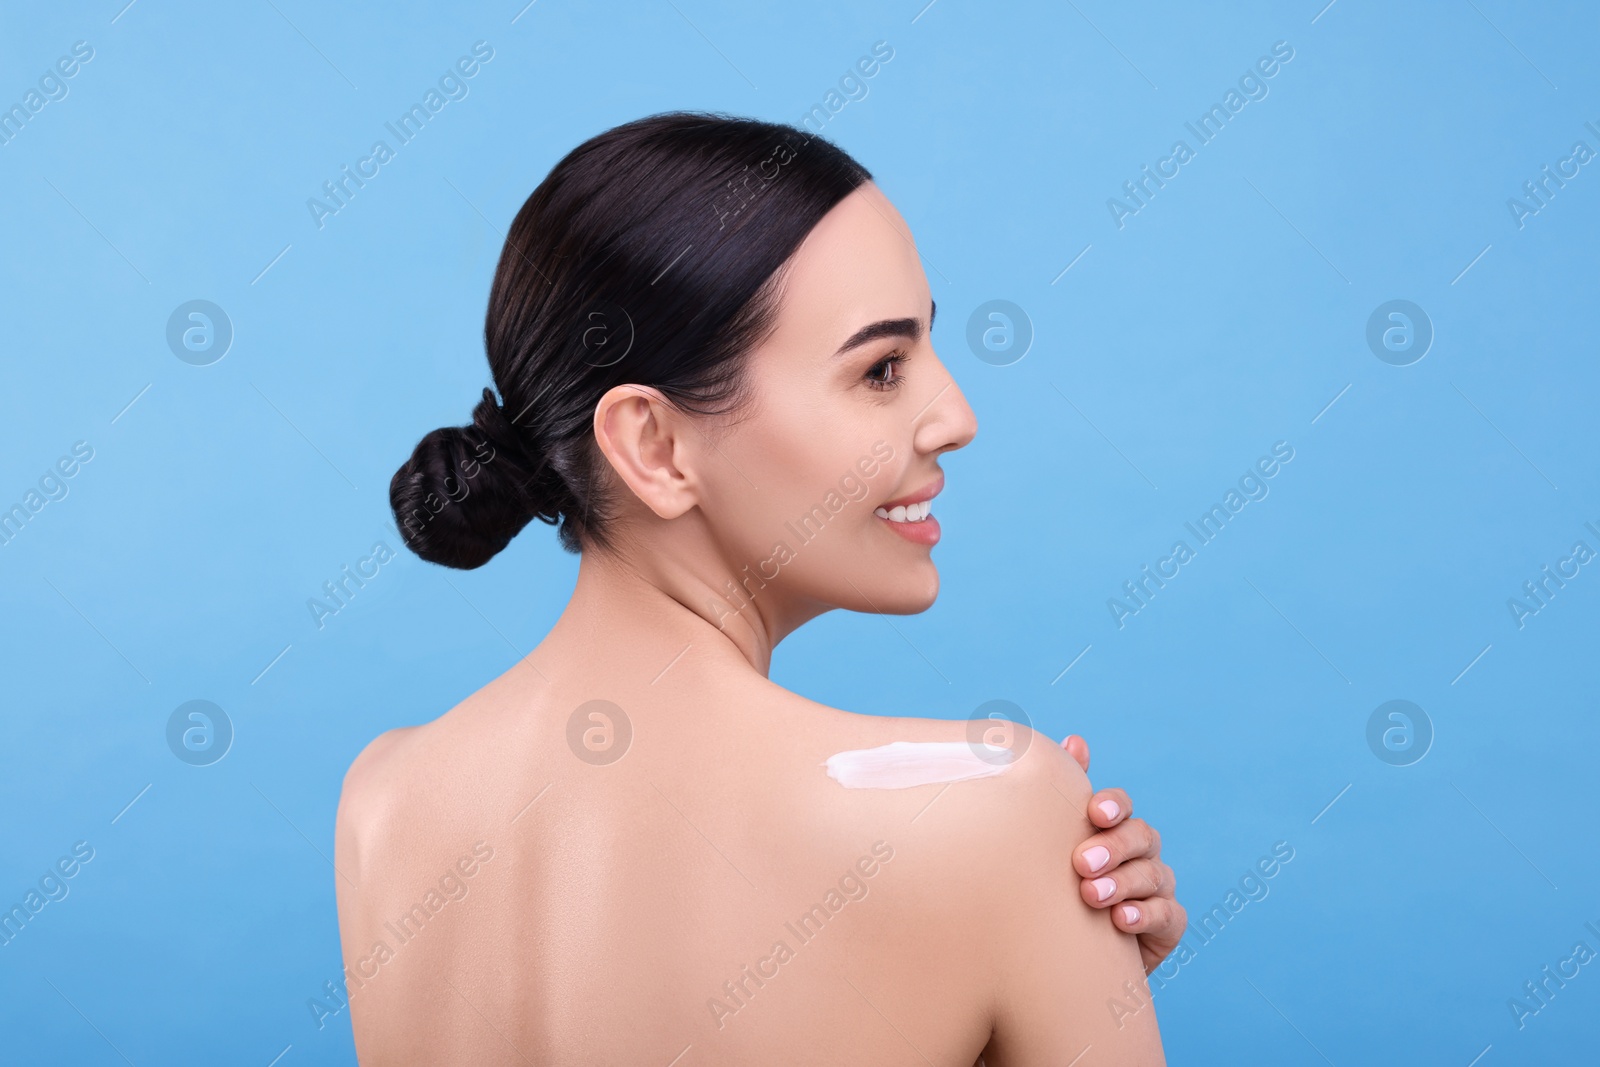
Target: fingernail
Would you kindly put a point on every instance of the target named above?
(1104, 887)
(1111, 808)
(1097, 856)
(1130, 914)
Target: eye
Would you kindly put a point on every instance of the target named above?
(884, 374)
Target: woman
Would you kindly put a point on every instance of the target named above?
(711, 340)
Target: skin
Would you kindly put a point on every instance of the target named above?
(626, 883)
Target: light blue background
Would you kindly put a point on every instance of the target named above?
(1223, 317)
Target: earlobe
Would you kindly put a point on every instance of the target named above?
(641, 434)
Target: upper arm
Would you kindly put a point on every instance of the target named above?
(1065, 977)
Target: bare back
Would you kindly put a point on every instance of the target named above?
(514, 891)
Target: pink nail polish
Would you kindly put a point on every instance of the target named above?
(1104, 887)
(1130, 914)
(1097, 857)
(1110, 808)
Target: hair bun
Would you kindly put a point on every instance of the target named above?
(467, 491)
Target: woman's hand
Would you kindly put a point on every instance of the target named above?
(1122, 870)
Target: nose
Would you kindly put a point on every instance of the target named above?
(947, 422)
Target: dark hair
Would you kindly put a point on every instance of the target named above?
(649, 255)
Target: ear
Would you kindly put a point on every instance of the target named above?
(645, 438)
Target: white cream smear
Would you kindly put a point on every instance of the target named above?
(903, 764)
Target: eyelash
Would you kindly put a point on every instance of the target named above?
(893, 359)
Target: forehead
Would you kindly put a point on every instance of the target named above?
(858, 265)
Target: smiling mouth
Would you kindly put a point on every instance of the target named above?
(911, 516)
(916, 512)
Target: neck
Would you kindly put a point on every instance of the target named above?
(658, 608)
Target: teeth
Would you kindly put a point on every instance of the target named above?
(906, 512)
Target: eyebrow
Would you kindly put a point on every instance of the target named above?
(911, 329)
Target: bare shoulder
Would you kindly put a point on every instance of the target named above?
(1045, 793)
(374, 770)
(1025, 818)
(405, 762)
(1033, 775)
(987, 860)
(1023, 802)
(375, 780)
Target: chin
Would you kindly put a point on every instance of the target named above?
(906, 592)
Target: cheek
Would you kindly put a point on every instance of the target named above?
(792, 466)
(780, 490)
(787, 492)
(762, 487)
